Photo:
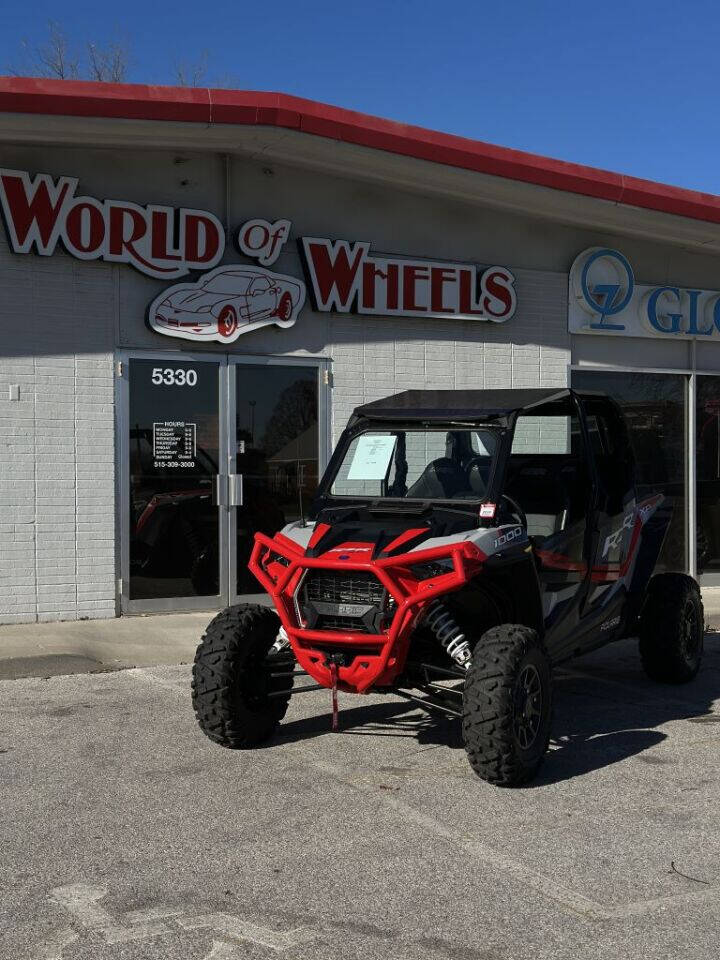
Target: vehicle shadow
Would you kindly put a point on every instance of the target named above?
(605, 711)
(371, 719)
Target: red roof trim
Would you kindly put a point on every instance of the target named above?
(200, 105)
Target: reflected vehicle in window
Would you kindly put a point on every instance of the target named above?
(227, 302)
(174, 530)
(173, 451)
(173, 520)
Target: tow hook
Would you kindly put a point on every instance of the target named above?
(334, 661)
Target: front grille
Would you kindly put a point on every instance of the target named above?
(328, 586)
(347, 601)
(338, 623)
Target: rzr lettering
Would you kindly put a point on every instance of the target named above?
(39, 211)
(615, 539)
(345, 277)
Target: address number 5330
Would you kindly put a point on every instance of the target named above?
(169, 377)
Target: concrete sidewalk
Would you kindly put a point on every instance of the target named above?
(87, 646)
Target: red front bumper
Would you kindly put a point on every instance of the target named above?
(280, 564)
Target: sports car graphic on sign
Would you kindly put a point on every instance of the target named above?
(227, 302)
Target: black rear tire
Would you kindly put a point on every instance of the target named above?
(507, 705)
(231, 677)
(672, 629)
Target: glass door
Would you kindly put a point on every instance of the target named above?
(707, 478)
(175, 495)
(655, 410)
(277, 443)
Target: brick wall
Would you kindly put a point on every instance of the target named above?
(57, 472)
(375, 358)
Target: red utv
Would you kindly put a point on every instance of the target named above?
(462, 544)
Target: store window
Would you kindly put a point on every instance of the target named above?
(173, 448)
(654, 405)
(707, 484)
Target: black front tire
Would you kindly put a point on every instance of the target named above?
(231, 677)
(672, 629)
(507, 705)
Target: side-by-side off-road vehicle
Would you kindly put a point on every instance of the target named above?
(462, 544)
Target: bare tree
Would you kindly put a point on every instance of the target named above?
(109, 63)
(58, 59)
(192, 73)
(55, 58)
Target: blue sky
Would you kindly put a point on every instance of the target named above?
(628, 86)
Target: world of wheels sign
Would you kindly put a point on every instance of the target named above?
(223, 301)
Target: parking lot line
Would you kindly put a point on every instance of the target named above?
(568, 899)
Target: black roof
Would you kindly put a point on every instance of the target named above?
(458, 404)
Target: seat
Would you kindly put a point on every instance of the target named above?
(543, 498)
(442, 479)
(478, 474)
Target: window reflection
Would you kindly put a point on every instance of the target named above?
(277, 439)
(707, 439)
(173, 450)
(654, 409)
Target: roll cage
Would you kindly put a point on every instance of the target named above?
(605, 443)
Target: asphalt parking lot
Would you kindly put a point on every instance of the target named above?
(126, 834)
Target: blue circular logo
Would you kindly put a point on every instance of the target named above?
(611, 298)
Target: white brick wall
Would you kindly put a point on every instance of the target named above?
(61, 320)
(57, 472)
(375, 358)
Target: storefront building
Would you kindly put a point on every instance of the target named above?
(199, 286)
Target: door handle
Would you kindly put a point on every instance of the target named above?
(235, 482)
(220, 491)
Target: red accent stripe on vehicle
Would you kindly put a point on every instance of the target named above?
(558, 561)
(404, 538)
(318, 533)
(200, 105)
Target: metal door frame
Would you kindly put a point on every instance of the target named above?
(322, 365)
(122, 407)
(227, 365)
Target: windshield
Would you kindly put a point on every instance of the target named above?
(232, 283)
(418, 464)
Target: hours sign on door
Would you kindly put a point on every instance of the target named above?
(174, 443)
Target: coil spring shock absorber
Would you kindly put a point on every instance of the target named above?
(445, 627)
(281, 641)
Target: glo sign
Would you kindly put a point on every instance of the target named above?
(605, 298)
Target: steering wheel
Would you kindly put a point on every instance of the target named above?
(517, 511)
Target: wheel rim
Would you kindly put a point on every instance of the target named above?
(227, 322)
(690, 635)
(527, 707)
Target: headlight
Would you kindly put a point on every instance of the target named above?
(271, 557)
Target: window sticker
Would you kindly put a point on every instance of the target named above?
(372, 458)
